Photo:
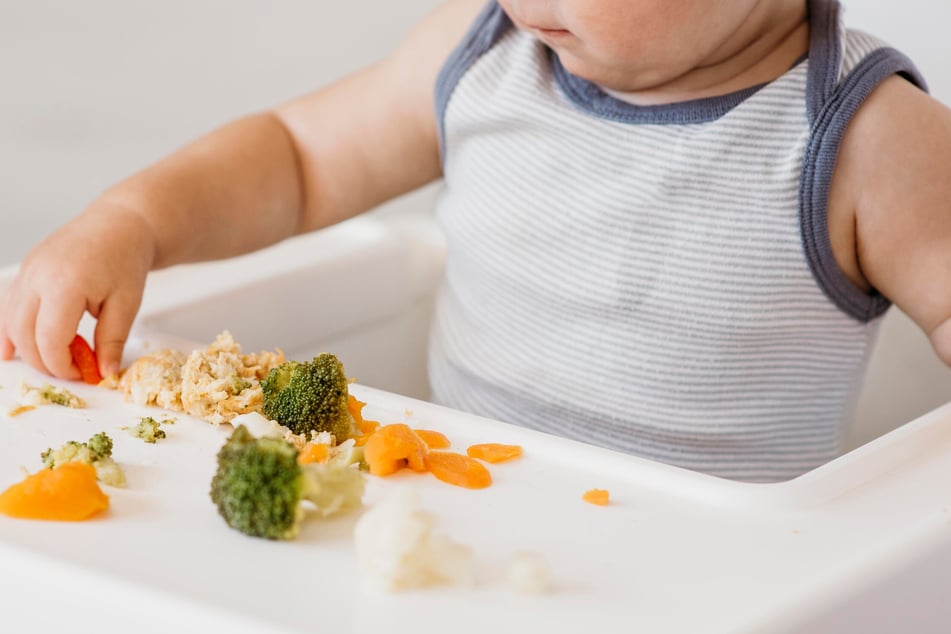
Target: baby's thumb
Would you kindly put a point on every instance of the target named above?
(112, 331)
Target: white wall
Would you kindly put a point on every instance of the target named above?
(91, 91)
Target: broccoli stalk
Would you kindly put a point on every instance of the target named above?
(97, 451)
(259, 486)
(309, 397)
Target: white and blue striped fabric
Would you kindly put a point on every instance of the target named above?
(652, 279)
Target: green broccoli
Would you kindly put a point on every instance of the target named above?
(310, 397)
(148, 429)
(259, 485)
(97, 451)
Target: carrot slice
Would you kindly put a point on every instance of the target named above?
(494, 452)
(68, 493)
(313, 452)
(364, 426)
(433, 439)
(600, 497)
(393, 446)
(85, 360)
(458, 469)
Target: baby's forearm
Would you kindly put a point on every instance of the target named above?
(234, 190)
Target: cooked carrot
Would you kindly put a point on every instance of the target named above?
(494, 452)
(364, 426)
(600, 497)
(458, 469)
(85, 360)
(392, 447)
(67, 493)
(21, 409)
(313, 452)
(433, 439)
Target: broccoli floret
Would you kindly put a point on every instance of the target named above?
(148, 430)
(259, 486)
(309, 397)
(97, 451)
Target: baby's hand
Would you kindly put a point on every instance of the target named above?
(97, 263)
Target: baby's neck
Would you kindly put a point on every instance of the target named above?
(762, 49)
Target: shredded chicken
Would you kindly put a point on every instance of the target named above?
(215, 384)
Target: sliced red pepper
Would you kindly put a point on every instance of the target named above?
(85, 360)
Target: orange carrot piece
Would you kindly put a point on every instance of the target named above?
(85, 360)
(433, 439)
(393, 446)
(494, 452)
(458, 469)
(68, 493)
(355, 407)
(313, 452)
(600, 497)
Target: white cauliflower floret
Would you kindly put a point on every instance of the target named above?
(48, 395)
(398, 548)
(259, 425)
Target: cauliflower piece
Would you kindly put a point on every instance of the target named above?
(398, 549)
(259, 425)
(219, 383)
(48, 395)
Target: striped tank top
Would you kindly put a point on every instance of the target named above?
(657, 280)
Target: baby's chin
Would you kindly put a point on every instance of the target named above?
(617, 79)
(610, 78)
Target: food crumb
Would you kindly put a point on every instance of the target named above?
(148, 430)
(598, 497)
(22, 409)
(528, 573)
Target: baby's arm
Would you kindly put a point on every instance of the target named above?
(305, 165)
(894, 173)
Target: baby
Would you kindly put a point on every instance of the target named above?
(672, 225)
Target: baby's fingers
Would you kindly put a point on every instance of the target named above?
(112, 330)
(56, 323)
(6, 346)
(20, 328)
